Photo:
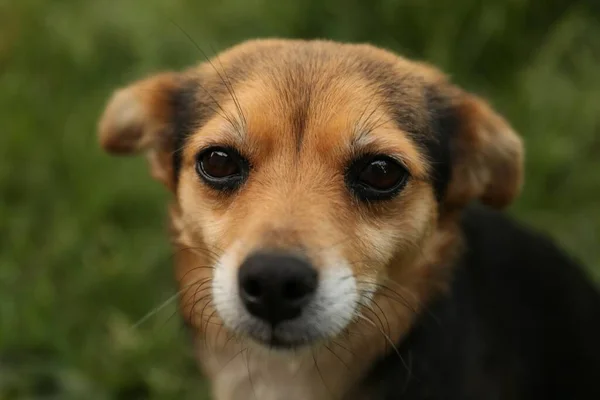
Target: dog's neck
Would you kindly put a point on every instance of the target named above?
(239, 369)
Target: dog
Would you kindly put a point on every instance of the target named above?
(340, 232)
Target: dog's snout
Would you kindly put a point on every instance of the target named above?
(276, 287)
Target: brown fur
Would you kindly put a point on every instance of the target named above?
(301, 112)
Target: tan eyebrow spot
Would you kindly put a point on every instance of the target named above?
(394, 142)
(215, 132)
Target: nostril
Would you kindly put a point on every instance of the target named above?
(252, 288)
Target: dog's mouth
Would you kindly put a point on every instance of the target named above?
(277, 341)
(286, 336)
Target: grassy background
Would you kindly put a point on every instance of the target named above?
(83, 250)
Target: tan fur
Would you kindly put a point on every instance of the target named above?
(137, 118)
(296, 198)
(489, 157)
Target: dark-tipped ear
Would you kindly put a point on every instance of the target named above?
(144, 116)
(486, 155)
(138, 116)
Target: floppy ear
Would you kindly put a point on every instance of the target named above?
(486, 155)
(143, 117)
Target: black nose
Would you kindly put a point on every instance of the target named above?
(276, 287)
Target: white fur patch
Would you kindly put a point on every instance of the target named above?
(331, 310)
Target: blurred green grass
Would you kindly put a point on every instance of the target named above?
(83, 249)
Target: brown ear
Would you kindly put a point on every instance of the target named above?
(141, 117)
(486, 154)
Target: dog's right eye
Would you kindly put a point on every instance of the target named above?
(378, 177)
(222, 168)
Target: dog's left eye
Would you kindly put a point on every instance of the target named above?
(375, 178)
(221, 168)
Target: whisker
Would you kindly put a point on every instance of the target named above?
(338, 357)
(387, 338)
(250, 373)
(194, 299)
(384, 316)
(409, 375)
(155, 311)
(360, 122)
(230, 360)
(424, 307)
(161, 306)
(234, 125)
(321, 375)
(231, 89)
(399, 297)
(375, 314)
(176, 312)
(335, 342)
(232, 336)
(365, 129)
(203, 251)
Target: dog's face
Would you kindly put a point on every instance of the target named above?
(309, 178)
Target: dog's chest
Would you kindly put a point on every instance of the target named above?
(261, 376)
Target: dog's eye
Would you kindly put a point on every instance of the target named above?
(222, 168)
(218, 164)
(382, 174)
(376, 178)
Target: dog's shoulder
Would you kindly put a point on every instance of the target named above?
(521, 321)
(524, 272)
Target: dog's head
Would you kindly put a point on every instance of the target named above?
(309, 177)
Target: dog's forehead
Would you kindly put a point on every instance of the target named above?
(306, 97)
(296, 88)
(296, 69)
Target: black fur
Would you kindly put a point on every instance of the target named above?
(193, 104)
(443, 126)
(522, 321)
(186, 115)
(434, 133)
